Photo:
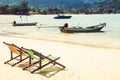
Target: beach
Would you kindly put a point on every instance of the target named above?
(87, 56)
(82, 62)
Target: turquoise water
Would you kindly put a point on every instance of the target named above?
(47, 29)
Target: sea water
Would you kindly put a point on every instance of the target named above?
(48, 29)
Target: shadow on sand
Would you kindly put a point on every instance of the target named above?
(47, 71)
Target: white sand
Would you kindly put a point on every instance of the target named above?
(82, 63)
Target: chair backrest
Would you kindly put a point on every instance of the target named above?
(44, 58)
(31, 53)
(36, 55)
(15, 49)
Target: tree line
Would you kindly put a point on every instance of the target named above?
(22, 8)
(102, 8)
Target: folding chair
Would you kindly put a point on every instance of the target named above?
(41, 59)
(21, 55)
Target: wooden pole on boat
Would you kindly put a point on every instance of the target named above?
(43, 26)
(21, 18)
(48, 26)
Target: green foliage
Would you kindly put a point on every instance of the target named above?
(111, 6)
(22, 8)
(4, 9)
(107, 7)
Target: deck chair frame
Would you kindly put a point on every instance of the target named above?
(41, 57)
(19, 55)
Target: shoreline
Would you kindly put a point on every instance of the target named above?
(66, 42)
(107, 41)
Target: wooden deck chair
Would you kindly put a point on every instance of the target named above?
(41, 59)
(16, 50)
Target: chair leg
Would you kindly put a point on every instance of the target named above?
(31, 65)
(20, 61)
(11, 59)
(40, 67)
(60, 64)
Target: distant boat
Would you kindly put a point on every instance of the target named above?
(24, 24)
(77, 29)
(62, 17)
